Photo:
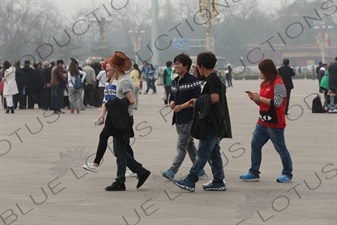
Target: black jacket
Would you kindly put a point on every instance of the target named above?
(19, 77)
(201, 111)
(286, 73)
(118, 120)
(29, 76)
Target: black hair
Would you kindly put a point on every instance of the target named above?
(336, 59)
(60, 61)
(168, 63)
(206, 59)
(184, 59)
(320, 63)
(136, 67)
(35, 65)
(286, 62)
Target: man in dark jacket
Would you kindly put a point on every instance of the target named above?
(28, 89)
(287, 73)
(38, 84)
(46, 85)
(20, 82)
(333, 75)
(320, 64)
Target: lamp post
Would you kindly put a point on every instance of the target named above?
(136, 40)
(321, 27)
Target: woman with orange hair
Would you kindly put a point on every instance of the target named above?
(271, 122)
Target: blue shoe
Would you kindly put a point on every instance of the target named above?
(249, 177)
(215, 187)
(283, 179)
(184, 184)
(203, 174)
(169, 174)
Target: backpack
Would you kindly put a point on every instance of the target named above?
(317, 105)
(78, 83)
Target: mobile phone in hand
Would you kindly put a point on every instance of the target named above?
(98, 122)
(249, 92)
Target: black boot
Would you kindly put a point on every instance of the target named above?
(12, 109)
(7, 110)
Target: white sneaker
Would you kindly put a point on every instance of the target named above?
(335, 111)
(330, 111)
(91, 167)
(209, 182)
(130, 174)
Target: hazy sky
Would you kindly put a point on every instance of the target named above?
(70, 6)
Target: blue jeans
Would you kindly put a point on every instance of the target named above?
(124, 159)
(150, 84)
(208, 150)
(55, 95)
(260, 137)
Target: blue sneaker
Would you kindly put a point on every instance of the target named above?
(215, 187)
(184, 184)
(169, 174)
(283, 179)
(203, 174)
(249, 177)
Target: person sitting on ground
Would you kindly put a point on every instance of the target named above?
(330, 103)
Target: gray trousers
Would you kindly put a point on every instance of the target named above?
(185, 143)
(74, 98)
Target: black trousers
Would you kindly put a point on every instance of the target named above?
(103, 144)
(47, 98)
(18, 99)
(288, 99)
(89, 95)
(168, 92)
(29, 95)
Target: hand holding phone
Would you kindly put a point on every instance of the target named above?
(98, 121)
(249, 92)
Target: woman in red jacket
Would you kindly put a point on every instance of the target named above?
(271, 123)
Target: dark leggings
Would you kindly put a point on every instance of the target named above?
(103, 144)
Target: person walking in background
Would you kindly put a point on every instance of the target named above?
(152, 76)
(167, 75)
(10, 86)
(74, 93)
(47, 80)
(184, 88)
(20, 82)
(318, 76)
(229, 76)
(333, 75)
(145, 71)
(45, 66)
(287, 73)
(101, 77)
(38, 84)
(89, 85)
(271, 122)
(135, 76)
(56, 76)
(29, 88)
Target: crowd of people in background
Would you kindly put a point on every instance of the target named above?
(51, 85)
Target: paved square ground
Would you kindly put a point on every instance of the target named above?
(43, 183)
